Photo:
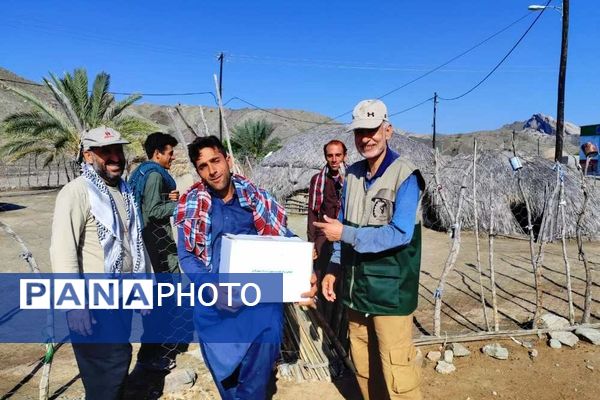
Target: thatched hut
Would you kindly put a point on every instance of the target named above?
(498, 190)
(288, 170)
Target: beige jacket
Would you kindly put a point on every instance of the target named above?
(74, 246)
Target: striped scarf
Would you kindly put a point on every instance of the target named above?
(194, 207)
(319, 187)
(110, 234)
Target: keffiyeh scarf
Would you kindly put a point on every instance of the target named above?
(110, 234)
(319, 187)
(193, 213)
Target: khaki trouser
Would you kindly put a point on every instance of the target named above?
(384, 355)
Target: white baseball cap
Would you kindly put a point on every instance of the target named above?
(368, 114)
(101, 136)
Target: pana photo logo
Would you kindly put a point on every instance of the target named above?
(138, 294)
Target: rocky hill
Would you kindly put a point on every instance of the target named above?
(286, 122)
(534, 136)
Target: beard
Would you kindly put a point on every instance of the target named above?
(111, 178)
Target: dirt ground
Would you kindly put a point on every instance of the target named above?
(565, 373)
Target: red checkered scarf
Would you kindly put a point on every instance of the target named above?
(193, 213)
(319, 187)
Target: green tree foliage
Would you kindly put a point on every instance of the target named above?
(252, 139)
(53, 130)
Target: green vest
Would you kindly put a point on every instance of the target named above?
(385, 283)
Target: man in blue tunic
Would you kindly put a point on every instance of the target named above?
(218, 204)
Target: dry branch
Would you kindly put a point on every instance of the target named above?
(473, 337)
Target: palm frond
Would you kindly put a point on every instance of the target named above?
(251, 139)
(75, 89)
(131, 126)
(66, 106)
(120, 106)
(100, 100)
(40, 105)
(19, 148)
(31, 123)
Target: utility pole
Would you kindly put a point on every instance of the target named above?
(562, 74)
(220, 58)
(435, 101)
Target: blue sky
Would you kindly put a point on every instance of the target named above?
(320, 56)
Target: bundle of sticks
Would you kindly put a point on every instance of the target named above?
(310, 350)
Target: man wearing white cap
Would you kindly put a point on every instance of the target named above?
(96, 229)
(377, 251)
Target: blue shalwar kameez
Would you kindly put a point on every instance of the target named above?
(240, 370)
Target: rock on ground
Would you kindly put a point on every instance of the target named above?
(448, 356)
(566, 338)
(555, 344)
(179, 380)
(434, 356)
(589, 334)
(553, 321)
(459, 350)
(496, 351)
(444, 367)
(533, 353)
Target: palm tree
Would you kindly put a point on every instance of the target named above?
(54, 132)
(252, 139)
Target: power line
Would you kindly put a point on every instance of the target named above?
(455, 57)
(412, 107)
(502, 60)
(432, 71)
(122, 93)
(162, 94)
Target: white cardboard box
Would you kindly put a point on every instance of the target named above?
(276, 254)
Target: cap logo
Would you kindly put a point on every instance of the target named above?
(107, 135)
(370, 114)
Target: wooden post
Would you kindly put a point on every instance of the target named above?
(236, 168)
(543, 238)
(220, 90)
(532, 254)
(57, 172)
(562, 74)
(491, 262)
(476, 229)
(190, 128)
(587, 305)
(435, 102)
(191, 166)
(454, 249)
(562, 205)
(206, 132)
(29, 172)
